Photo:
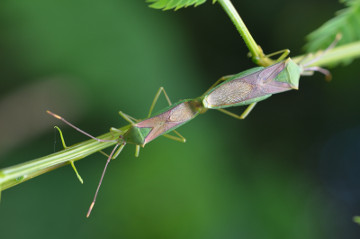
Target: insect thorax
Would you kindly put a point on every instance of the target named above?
(136, 135)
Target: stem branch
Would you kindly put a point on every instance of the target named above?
(335, 55)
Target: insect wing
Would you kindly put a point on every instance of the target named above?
(168, 120)
(235, 91)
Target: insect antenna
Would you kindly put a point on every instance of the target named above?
(308, 70)
(77, 129)
(324, 71)
(113, 153)
(103, 174)
(331, 46)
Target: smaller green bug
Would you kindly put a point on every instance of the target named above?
(168, 119)
(142, 132)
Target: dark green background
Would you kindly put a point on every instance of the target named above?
(290, 170)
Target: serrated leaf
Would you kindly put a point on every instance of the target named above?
(174, 4)
(346, 22)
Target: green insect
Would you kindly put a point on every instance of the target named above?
(165, 121)
(259, 83)
(142, 132)
(251, 86)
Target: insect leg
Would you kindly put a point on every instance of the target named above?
(284, 53)
(112, 129)
(243, 115)
(178, 138)
(128, 118)
(71, 161)
(116, 154)
(224, 78)
(157, 95)
(137, 150)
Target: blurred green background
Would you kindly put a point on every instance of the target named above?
(290, 170)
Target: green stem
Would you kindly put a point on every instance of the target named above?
(241, 27)
(335, 55)
(16, 174)
(255, 50)
(331, 57)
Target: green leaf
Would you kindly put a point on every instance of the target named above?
(346, 22)
(170, 4)
(356, 219)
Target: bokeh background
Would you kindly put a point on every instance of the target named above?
(290, 170)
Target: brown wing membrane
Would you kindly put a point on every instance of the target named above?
(168, 120)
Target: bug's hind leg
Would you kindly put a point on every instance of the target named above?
(178, 138)
(243, 115)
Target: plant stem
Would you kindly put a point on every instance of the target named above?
(331, 57)
(241, 27)
(335, 55)
(16, 174)
(255, 50)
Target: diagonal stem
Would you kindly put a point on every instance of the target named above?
(255, 50)
(241, 27)
(17, 174)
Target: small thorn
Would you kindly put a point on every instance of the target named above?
(90, 209)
